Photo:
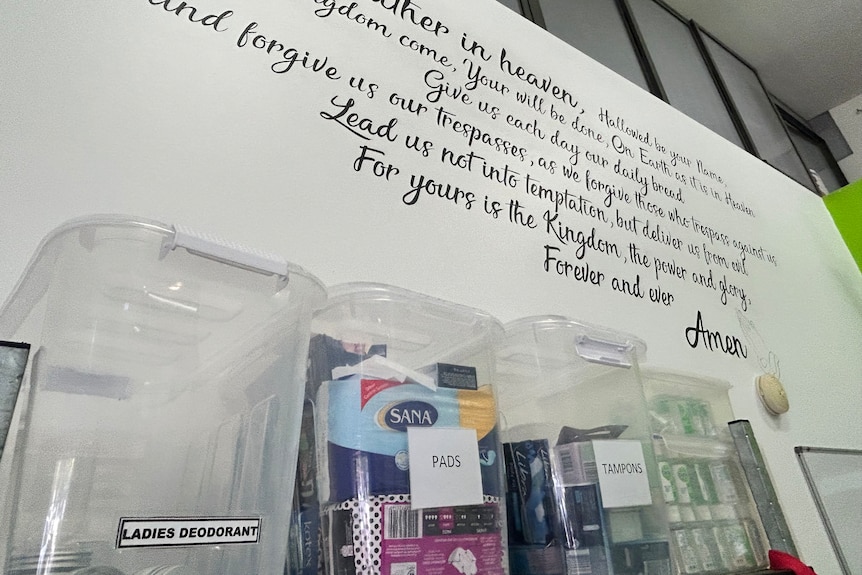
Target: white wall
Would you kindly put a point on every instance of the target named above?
(849, 122)
(125, 107)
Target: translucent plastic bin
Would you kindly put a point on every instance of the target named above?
(164, 403)
(715, 526)
(583, 492)
(408, 475)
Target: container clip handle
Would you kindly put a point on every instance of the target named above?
(220, 250)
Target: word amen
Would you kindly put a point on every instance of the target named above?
(713, 340)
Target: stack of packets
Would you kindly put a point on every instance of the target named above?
(368, 525)
(556, 523)
(324, 354)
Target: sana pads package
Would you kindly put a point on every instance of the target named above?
(406, 466)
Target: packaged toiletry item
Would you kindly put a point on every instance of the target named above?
(583, 484)
(409, 468)
(715, 524)
(366, 432)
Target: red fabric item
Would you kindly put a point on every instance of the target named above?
(781, 560)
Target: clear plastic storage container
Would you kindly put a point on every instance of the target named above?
(407, 479)
(715, 526)
(163, 412)
(583, 491)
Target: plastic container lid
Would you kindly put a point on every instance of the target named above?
(34, 282)
(416, 328)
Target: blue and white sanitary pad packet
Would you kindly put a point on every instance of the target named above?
(363, 423)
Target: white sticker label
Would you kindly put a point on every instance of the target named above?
(174, 532)
(622, 473)
(444, 467)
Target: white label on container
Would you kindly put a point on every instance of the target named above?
(622, 473)
(444, 467)
(187, 531)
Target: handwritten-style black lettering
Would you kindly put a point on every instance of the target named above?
(289, 56)
(215, 21)
(408, 11)
(352, 14)
(357, 124)
(713, 340)
(546, 83)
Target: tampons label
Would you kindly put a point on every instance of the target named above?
(187, 531)
(622, 473)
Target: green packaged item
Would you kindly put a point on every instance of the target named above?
(682, 480)
(668, 487)
(735, 548)
(687, 557)
(704, 542)
(706, 485)
(725, 486)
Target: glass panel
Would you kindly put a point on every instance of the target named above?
(760, 118)
(815, 158)
(680, 67)
(596, 28)
(512, 5)
(824, 126)
(835, 479)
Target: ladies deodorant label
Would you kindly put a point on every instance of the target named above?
(170, 532)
